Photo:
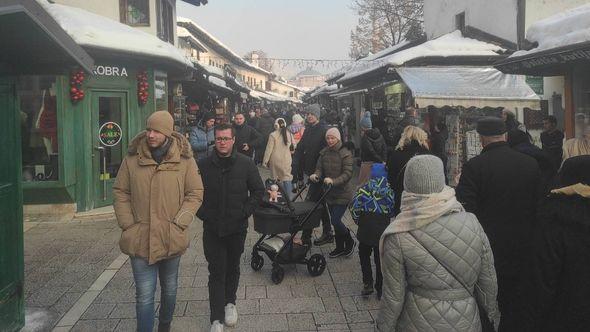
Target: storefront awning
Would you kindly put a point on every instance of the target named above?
(468, 87)
(34, 43)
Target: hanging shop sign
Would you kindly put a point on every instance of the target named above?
(396, 88)
(536, 83)
(110, 71)
(110, 134)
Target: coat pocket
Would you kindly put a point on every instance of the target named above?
(178, 240)
(129, 240)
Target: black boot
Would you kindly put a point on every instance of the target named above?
(326, 238)
(164, 327)
(349, 244)
(367, 289)
(339, 251)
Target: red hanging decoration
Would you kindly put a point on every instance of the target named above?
(76, 80)
(142, 87)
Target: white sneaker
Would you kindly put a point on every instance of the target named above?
(231, 314)
(216, 326)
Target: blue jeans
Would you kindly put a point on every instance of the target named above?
(288, 186)
(336, 213)
(145, 287)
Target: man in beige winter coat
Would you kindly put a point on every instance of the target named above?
(156, 194)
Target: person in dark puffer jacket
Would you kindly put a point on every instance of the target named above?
(557, 282)
(335, 168)
(233, 190)
(413, 142)
(373, 148)
(371, 208)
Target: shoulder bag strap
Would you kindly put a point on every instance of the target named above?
(444, 265)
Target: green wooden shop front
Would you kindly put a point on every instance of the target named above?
(65, 160)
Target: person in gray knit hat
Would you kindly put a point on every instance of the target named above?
(424, 175)
(434, 255)
(314, 110)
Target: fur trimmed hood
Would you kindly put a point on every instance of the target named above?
(138, 145)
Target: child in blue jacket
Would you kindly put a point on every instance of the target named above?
(371, 209)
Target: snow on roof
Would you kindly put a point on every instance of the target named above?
(371, 57)
(449, 45)
(184, 33)
(213, 70)
(308, 72)
(219, 82)
(324, 89)
(92, 30)
(566, 28)
(237, 58)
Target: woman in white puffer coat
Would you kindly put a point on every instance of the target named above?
(436, 260)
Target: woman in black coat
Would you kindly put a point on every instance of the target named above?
(413, 141)
(558, 282)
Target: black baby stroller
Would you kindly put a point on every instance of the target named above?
(287, 217)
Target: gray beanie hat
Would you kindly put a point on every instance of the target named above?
(424, 175)
(314, 109)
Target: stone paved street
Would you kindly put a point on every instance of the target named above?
(63, 261)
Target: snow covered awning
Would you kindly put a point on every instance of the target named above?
(220, 84)
(468, 87)
(562, 40)
(33, 42)
(449, 46)
(102, 33)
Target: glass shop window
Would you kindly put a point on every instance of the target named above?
(135, 12)
(582, 102)
(161, 90)
(39, 128)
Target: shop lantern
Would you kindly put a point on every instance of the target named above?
(76, 80)
(142, 87)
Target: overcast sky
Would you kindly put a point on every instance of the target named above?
(282, 28)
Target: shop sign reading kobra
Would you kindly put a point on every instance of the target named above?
(110, 134)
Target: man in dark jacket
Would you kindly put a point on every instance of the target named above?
(304, 162)
(501, 187)
(558, 285)
(552, 140)
(265, 126)
(520, 141)
(233, 189)
(246, 137)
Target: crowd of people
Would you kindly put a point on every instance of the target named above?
(505, 250)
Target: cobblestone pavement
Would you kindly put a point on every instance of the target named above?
(63, 261)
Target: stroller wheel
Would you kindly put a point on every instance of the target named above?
(316, 265)
(277, 274)
(257, 262)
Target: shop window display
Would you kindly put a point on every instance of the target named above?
(39, 128)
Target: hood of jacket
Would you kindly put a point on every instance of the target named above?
(373, 134)
(180, 147)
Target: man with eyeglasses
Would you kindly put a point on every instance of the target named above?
(233, 190)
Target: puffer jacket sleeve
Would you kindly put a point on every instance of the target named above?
(256, 189)
(193, 196)
(394, 284)
(122, 197)
(198, 140)
(486, 288)
(346, 170)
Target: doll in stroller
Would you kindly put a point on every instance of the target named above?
(287, 217)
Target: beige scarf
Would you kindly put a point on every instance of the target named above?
(418, 211)
(576, 189)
